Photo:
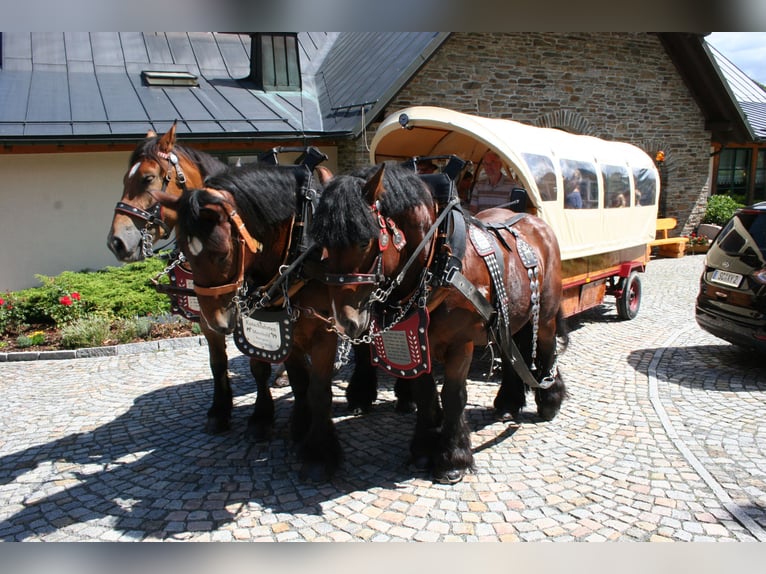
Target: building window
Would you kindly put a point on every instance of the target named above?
(733, 169)
(759, 192)
(274, 63)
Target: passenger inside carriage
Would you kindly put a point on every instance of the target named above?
(573, 191)
(494, 186)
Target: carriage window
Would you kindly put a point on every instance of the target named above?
(616, 186)
(646, 186)
(580, 184)
(545, 177)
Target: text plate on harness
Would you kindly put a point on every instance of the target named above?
(266, 335)
(403, 349)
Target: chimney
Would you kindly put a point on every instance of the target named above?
(274, 62)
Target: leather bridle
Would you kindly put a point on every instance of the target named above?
(243, 239)
(153, 217)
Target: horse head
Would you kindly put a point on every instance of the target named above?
(234, 232)
(157, 164)
(369, 229)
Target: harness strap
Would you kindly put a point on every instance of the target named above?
(153, 217)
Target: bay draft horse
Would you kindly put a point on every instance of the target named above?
(371, 283)
(159, 163)
(235, 234)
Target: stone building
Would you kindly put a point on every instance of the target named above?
(74, 105)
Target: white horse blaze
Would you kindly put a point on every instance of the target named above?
(134, 169)
(195, 246)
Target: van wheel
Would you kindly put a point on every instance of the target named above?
(629, 302)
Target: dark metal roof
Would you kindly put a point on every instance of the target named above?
(750, 96)
(76, 86)
(83, 87)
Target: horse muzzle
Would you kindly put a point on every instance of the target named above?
(353, 323)
(221, 321)
(126, 245)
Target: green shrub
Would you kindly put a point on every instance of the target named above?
(121, 292)
(92, 331)
(36, 338)
(11, 313)
(720, 208)
(125, 330)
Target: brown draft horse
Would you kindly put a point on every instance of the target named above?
(373, 284)
(159, 164)
(235, 235)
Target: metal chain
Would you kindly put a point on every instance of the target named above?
(534, 286)
(146, 242)
(172, 265)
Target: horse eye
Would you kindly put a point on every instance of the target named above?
(149, 178)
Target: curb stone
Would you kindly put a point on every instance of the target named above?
(106, 351)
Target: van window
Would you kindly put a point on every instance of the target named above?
(646, 186)
(616, 186)
(545, 177)
(580, 184)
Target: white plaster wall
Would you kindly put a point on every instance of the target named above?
(55, 213)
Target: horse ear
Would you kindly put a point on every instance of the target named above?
(165, 199)
(167, 141)
(212, 212)
(373, 189)
(324, 174)
(151, 134)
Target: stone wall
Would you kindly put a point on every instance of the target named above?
(617, 86)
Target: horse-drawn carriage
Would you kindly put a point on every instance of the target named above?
(603, 243)
(403, 269)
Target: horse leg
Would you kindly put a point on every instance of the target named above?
(549, 400)
(511, 396)
(219, 414)
(298, 375)
(320, 448)
(425, 440)
(362, 390)
(405, 400)
(454, 456)
(261, 423)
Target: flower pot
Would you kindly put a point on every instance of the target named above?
(695, 249)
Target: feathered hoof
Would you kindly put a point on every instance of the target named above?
(405, 407)
(420, 463)
(216, 425)
(358, 409)
(281, 381)
(315, 472)
(507, 415)
(547, 413)
(452, 476)
(258, 432)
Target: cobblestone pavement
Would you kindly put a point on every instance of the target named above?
(662, 438)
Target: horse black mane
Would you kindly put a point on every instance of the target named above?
(149, 148)
(264, 196)
(344, 218)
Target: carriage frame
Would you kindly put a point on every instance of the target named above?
(604, 247)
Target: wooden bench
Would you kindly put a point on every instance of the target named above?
(668, 246)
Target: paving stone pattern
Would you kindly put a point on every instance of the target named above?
(662, 438)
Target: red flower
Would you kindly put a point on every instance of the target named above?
(66, 300)
(2, 301)
(76, 296)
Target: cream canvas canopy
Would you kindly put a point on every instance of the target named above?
(542, 159)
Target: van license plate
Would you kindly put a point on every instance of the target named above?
(726, 278)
